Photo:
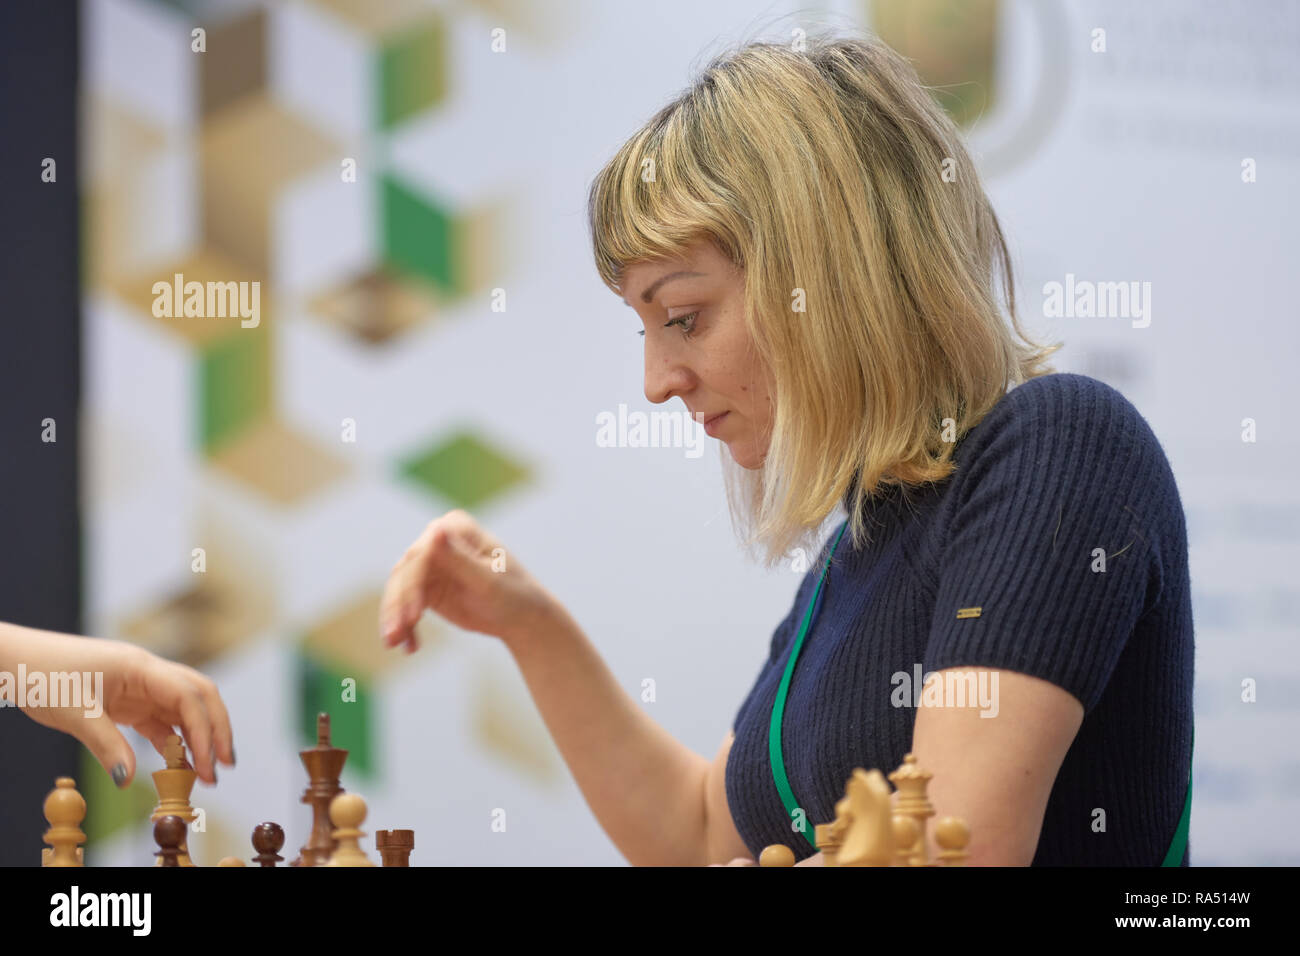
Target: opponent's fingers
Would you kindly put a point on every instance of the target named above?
(156, 732)
(109, 747)
(176, 700)
(197, 728)
(223, 740)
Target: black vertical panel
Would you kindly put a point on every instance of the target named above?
(40, 378)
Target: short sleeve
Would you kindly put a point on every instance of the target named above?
(1050, 556)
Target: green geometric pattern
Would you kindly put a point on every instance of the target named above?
(352, 723)
(412, 73)
(464, 471)
(419, 238)
(234, 382)
(116, 809)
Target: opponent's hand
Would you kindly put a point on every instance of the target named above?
(139, 690)
(738, 861)
(459, 571)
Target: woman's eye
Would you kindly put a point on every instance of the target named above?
(681, 320)
(687, 322)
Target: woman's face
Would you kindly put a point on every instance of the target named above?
(697, 347)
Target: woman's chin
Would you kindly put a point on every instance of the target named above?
(745, 457)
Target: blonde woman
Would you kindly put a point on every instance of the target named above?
(807, 244)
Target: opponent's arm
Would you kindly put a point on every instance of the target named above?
(129, 686)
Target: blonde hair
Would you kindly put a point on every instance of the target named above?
(830, 173)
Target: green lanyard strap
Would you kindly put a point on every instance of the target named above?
(1176, 849)
(778, 708)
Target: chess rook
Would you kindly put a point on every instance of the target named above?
(395, 846)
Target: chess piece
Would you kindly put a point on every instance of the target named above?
(65, 808)
(174, 785)
(324, 765)
(268, 840)
(778, 854)
(395, 846)
(870, 837)
(953, 836)
(905, 833)
(911, 782)
(231, 861)
(830, 836)
(169, 834)
(348, 812)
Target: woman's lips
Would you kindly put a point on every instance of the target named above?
(711, 426)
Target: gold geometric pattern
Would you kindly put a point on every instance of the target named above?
(247, 153)
(281, 463)
(375, 305)
(376, 19)
(349, 641)
(204, 265)
(227, 603)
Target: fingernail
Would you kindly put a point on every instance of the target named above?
(119, 775)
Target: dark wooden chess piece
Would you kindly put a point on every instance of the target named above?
(324, 764)
(395, 846)
(169, 833)
(268, 839)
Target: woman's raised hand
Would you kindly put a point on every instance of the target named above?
(463, 574)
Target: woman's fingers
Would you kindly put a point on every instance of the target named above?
(406, 593)
(397, 623)
(449, 570)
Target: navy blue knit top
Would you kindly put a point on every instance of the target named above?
(1061, 466)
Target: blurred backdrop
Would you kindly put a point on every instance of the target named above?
(406, 181)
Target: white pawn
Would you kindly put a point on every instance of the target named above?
(64, 811)
(347, 812)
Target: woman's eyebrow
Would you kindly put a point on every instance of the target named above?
(649, 293)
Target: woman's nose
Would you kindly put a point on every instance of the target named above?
(664, 375)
